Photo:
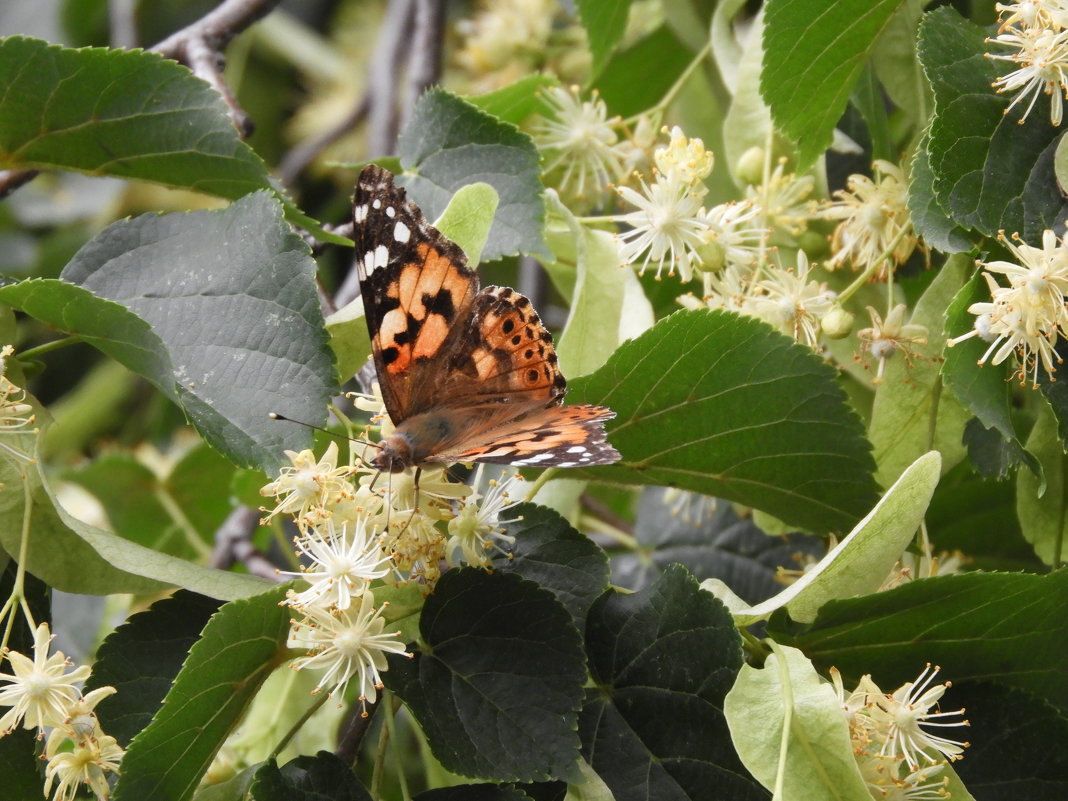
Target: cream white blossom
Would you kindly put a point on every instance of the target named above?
(345, 645)
(40, 691)
(87, 763)
(309, 485)
(1035, 34)
(875, 230)
(890, 336)
(794, 302)
(477, 529)
(580, 142)
(344, 562)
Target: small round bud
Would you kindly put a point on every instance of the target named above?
(711, 257)
(837, 323)
(750, 167)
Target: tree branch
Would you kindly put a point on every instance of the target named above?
(199, 46)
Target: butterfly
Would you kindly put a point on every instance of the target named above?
(466, 374)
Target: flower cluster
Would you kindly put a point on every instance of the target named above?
(874, 233)
(42, 693)
(358, 529)
(897, 754)
(1036, 32)
(1028, 316)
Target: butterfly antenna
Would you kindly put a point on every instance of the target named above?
(361, 440)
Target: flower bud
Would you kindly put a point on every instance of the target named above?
(750, 166)
(837, 323)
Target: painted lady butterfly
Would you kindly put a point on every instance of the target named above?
(467, 375)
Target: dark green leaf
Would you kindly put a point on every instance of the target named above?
(551, 553)
(231, 296)
(604, 21)
(813, 53)
(627, 84)
(449, 143)
(717, 545)
(127, 113)
(928, 218)
(1008, 628)
(200, 485)
(1011, 758)
(22, 771)
(1056, 394)
(516, 101)
(990, 173)
(323, 777)
(505, 654)
(653, 728)
(242, 643)
(991, 454)
(141, 658)
(474, 792)
(981, 389)
(725, 406)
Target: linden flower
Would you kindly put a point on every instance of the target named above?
(418, 549)
(1026, 317)
(793, 303)
(1042, 56)
(81, 723)
(88, 763)
(581, 142)
(40, 691)
(347, 644)
(507, 37)
(785, 199)
(885, 338)
(683, 158)
(15, 413)
(875, 221)
(476, 530)
(731, 239)
(344, 563)
(1034, 14)
(309, 485)
(908, 711)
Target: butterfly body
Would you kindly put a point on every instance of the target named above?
(466, 374)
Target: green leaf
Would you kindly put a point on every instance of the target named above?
(243, 642)
(468, 218)
(897, 67)
(231, 296)
(506, 655)
(53, 553)
(982, 389)
(901, 425)
(723, 405)
(629, 86)
(448, 143)
(517, 101)
(18, 765)
(861, 562)
(142, 657)
(349, 339)
(990, 173)
(309, 778)
(787, 700)
(813, 54)
(593, 325)
(662, 661)
(126, 113)
(928, 218)
(605, 22)
(549, 552)
(1041, 504)
(1002, 627)
(1013, 758)
(474, 792)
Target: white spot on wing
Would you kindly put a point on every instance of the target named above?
(401, 232)
(391, 212)
(376, 203)
(537, 457)
(381, 257)
(577, 449)
(359, 214)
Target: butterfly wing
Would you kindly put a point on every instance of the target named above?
(417, 292)
(556, 436)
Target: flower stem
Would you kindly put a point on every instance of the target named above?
(55, 344)
(872, 268)
(540, 482)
